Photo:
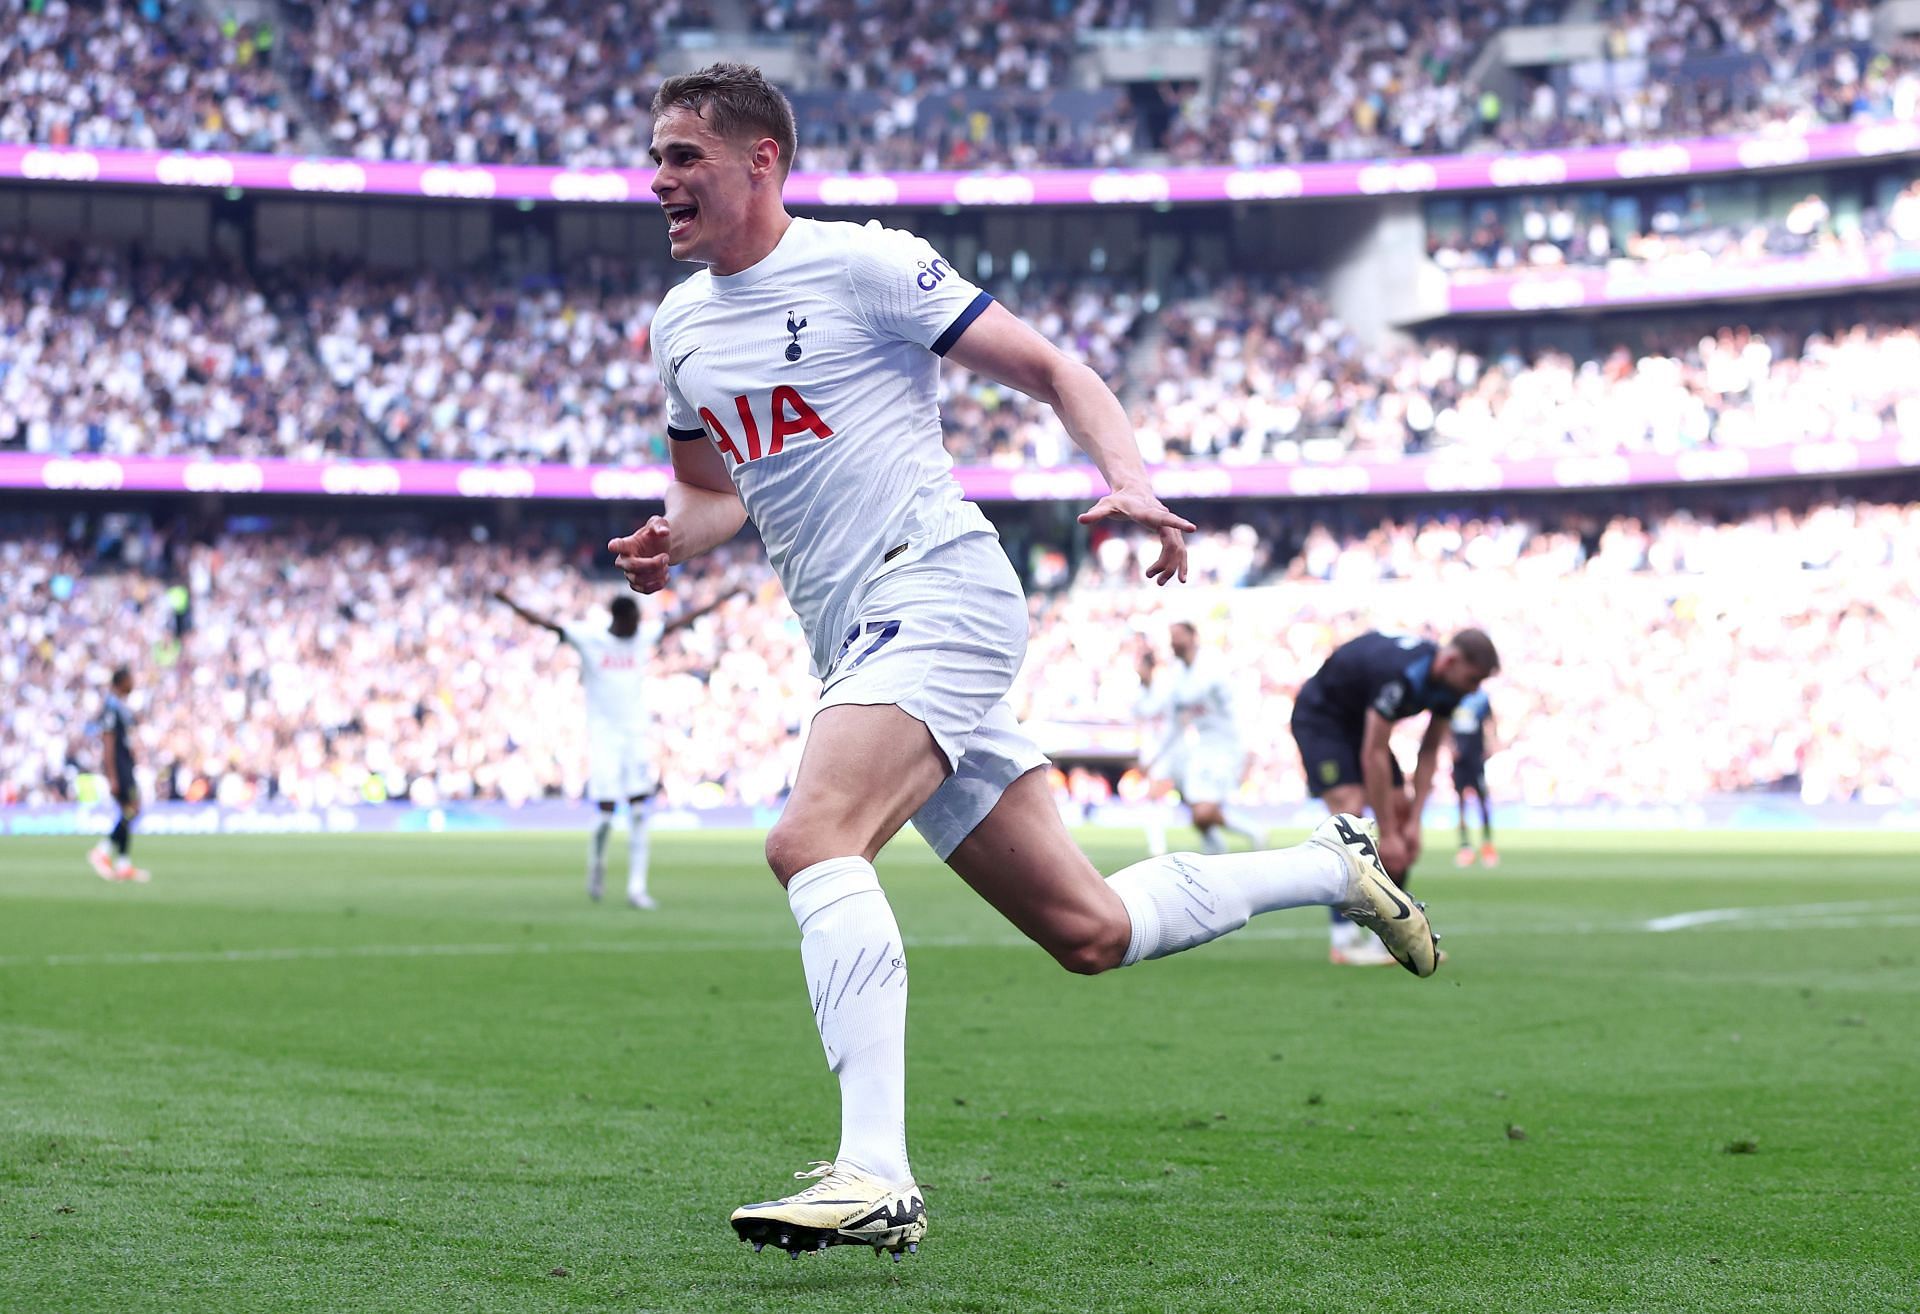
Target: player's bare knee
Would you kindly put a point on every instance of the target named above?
(1100, 946)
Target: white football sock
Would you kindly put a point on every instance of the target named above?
(637, 849)
(1240, 826)
(1212, 842)
(857, 978)
(1186, 899)
(1156, 835)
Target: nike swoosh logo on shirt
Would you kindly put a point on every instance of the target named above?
(682, 361)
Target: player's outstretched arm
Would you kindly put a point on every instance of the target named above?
(703, 512)
(687, 618)
(544, 622)
(1423, 769)
(1376, 773)
(1000, 346)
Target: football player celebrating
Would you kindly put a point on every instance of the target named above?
(800, 368)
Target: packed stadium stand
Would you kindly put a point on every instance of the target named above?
(909, 86)
(105, 354)
(1749, 643)
(1683, 303)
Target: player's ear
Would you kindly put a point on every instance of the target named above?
(764, 159)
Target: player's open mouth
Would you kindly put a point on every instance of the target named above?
(680, 218)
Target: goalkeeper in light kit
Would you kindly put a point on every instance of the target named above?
(801, 370)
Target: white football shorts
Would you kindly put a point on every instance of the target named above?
(619, 766)
(1207, 774)
(941, 638)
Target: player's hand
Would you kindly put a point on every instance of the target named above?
(642, 556)
(1143, 508)
(1394, 856)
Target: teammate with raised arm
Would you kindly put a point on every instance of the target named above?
(1200, 749)
(619, 759)
(800, 370)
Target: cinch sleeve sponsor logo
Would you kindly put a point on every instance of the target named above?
(1824, 458)
(1528, 171)
(194, 171)
(1130, 188)
(60, 166)
(1051, 485)
(467, 184)
(90, 475)
(1329, 481)
(993, 189)
(1546, 293)
(1772, 152)
(1592, 471)
(590, 187)
(364, 480)
(495, 481)
(629, 485)
(1193, 483)
(1652, 161)
(1712, 464)
(224, 477)
(327, 176)
(1413, 176)
(1264, 184)
(860, 189)
(1887, 139)
(1464, 476)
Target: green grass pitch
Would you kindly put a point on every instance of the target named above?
(423, 1073)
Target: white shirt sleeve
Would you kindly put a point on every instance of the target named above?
(906, 290)
(683, 422)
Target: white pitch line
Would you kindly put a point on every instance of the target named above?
(1780, 917)
(1777, 912)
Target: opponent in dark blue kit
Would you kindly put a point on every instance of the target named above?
(1473, 743)
(1343, 719)
(116, 763)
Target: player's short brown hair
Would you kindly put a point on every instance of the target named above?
(737, 102)
(1477, 648)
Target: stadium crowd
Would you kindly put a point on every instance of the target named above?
(1657, 656)
(108, 354)
(1551, 231)
(905, 85)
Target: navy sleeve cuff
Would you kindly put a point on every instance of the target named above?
(685, 435)
(944, 343)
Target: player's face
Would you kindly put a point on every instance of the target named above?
(1183, 642)
(703, 181)
(1452, 669)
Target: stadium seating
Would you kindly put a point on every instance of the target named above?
(908, 85)
(1766, 650)
(103, 353)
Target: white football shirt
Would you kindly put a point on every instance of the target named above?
(1202, 704)
(611, 671)
(815, 373)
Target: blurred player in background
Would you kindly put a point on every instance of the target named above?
(1343, 722)
(619, 757)
(116, 762)
(801, 373)
(1473, 744)
(1199, 748)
